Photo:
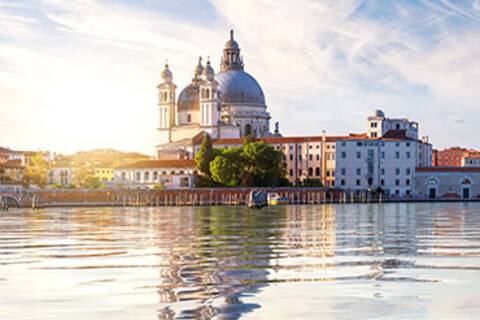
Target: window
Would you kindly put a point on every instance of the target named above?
(137, 176)
(359, 171)
(407, 171)
(291, 157)
(408, 154)
(358, 182)
(290, 172)
(310, 171)
(359, 143)
(374, 134)
(343, 171)
(310, 156)
(373, 124)
(318, 157)
(155, 176)
(408, 144)
(317, 171)
(342, 182)
(328, 173)
(397, 155)
(382, 182)
(397, 144)
(382, 171)
(407, 182)
(343, 155)
(299, 172)
(300, 157)
(359, 154)
(146, 176)
(397, 182)
(397, 171)
(189, 117)
(383, 154)
(344, 143)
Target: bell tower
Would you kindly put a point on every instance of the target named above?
(166, 103)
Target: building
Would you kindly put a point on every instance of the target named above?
(471, 160)
(105, 175)
(451, 157)
(305, 157)
(447, 183)
(11, 171)
(61, 175)
(385, 158)
(153, 174)
(227, 104)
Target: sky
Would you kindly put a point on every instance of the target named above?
(82, 74)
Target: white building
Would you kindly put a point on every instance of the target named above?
(227, 104)
(150, 174)
(382, 158)
(61, 175)
(471, 161)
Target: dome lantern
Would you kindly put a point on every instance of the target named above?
(166, 74)
(231, 59)
(208, 72)
(198, 69)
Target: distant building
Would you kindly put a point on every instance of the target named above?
(471, 160)
(61, 175)
(104, 174)
(385, 158)
(156, 174)
(451, 157)
(448, 183)
(11, 171)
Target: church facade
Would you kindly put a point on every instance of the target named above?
(227, 104)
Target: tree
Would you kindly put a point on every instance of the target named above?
(264, 165)
(227, 167)
(205, 155)
(36, 173)
(83, 178)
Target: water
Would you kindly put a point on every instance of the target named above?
(390, 261)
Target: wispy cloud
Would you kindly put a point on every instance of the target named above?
(322, 64)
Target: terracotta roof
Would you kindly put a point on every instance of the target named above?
(448, 169)
(151, 164)
(273, 140)
(12, 164)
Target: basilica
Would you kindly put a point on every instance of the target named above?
(226, 104)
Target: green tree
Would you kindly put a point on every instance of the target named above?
(83, 177)
(227, 167)
(36, 173)
(205, 155)
(264, 165)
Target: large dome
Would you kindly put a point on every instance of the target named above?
(237, 86)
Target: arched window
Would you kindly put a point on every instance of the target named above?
(146, 176)
(248, 129)
(317, 171)
(466, 181)
(310, 171)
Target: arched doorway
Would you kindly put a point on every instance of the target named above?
(432, 188)
(466, 185)
(248, 129)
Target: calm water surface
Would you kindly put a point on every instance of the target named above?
(391, 261)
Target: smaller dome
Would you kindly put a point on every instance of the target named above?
(208, 72)
(166, 74)
(199, 68)
(189, 98)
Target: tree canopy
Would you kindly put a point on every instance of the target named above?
(255, 164)
(36, 173)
